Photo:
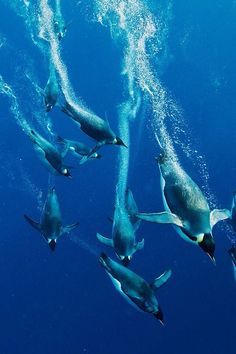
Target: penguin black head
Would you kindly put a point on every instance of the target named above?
(125, 261)
(208, 245)
(159, 316)
(97, 156)
(66, 173)
(48, 107)
(52, 245)
(118, 141)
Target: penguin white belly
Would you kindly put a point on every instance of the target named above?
(166, 207)
(117, 285)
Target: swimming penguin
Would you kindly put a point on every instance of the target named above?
(232, 254)
(94, 126)
(60, 26)
(49, 155)
(186, 207)
(50, 225)
(77, 148)
(134, 288)
(51, 90)
(125, 224)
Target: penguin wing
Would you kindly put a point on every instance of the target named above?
(106, 241)
(161, 218)
(44, 160)
(161, 280)
(92, 151)
(219, 215)
(67, 229)
(34, 224)
(139, 246)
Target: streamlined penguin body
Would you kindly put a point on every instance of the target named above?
(50, 225)
(134, 288)
(94, 126)
(186, 207)
(125, 225)
(60, 26)
(51, 91)
(49, 155)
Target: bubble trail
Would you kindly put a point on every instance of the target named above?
(6, 90)
(132, 26)
(48, 33)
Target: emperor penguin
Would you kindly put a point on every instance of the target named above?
(125, 225)
(51, 90)
(185, 206)
(49, 155)
(232, 254)
(60, 26)
(94, 126)
(135, 289)
(50, 225)
(78, 149)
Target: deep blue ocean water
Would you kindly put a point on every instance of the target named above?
(63, 302)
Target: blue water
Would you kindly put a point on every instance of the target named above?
(157, 70)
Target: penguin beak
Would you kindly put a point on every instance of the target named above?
(208, 246)
(159, 316)
(212, 258)
(120, 142)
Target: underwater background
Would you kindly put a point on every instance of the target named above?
(169, 66)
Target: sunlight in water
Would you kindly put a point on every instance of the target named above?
(6, 90)
(144, 39)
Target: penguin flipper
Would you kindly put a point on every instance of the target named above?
(161, 280)
(67, 229)
(84, 159)
(139, 246)
(219, 215)
(34, 224)
(132, 209)
(161, 218)
(91, 152)
(106, 241)
(130, 202)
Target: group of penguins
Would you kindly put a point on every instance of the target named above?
(186, 208)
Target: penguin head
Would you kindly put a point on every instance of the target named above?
(125, 261)
(118, 141)
(66, 173)
(52, 245)
(97, 156)
(208, 245)
(159, 315)
(48, 107)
